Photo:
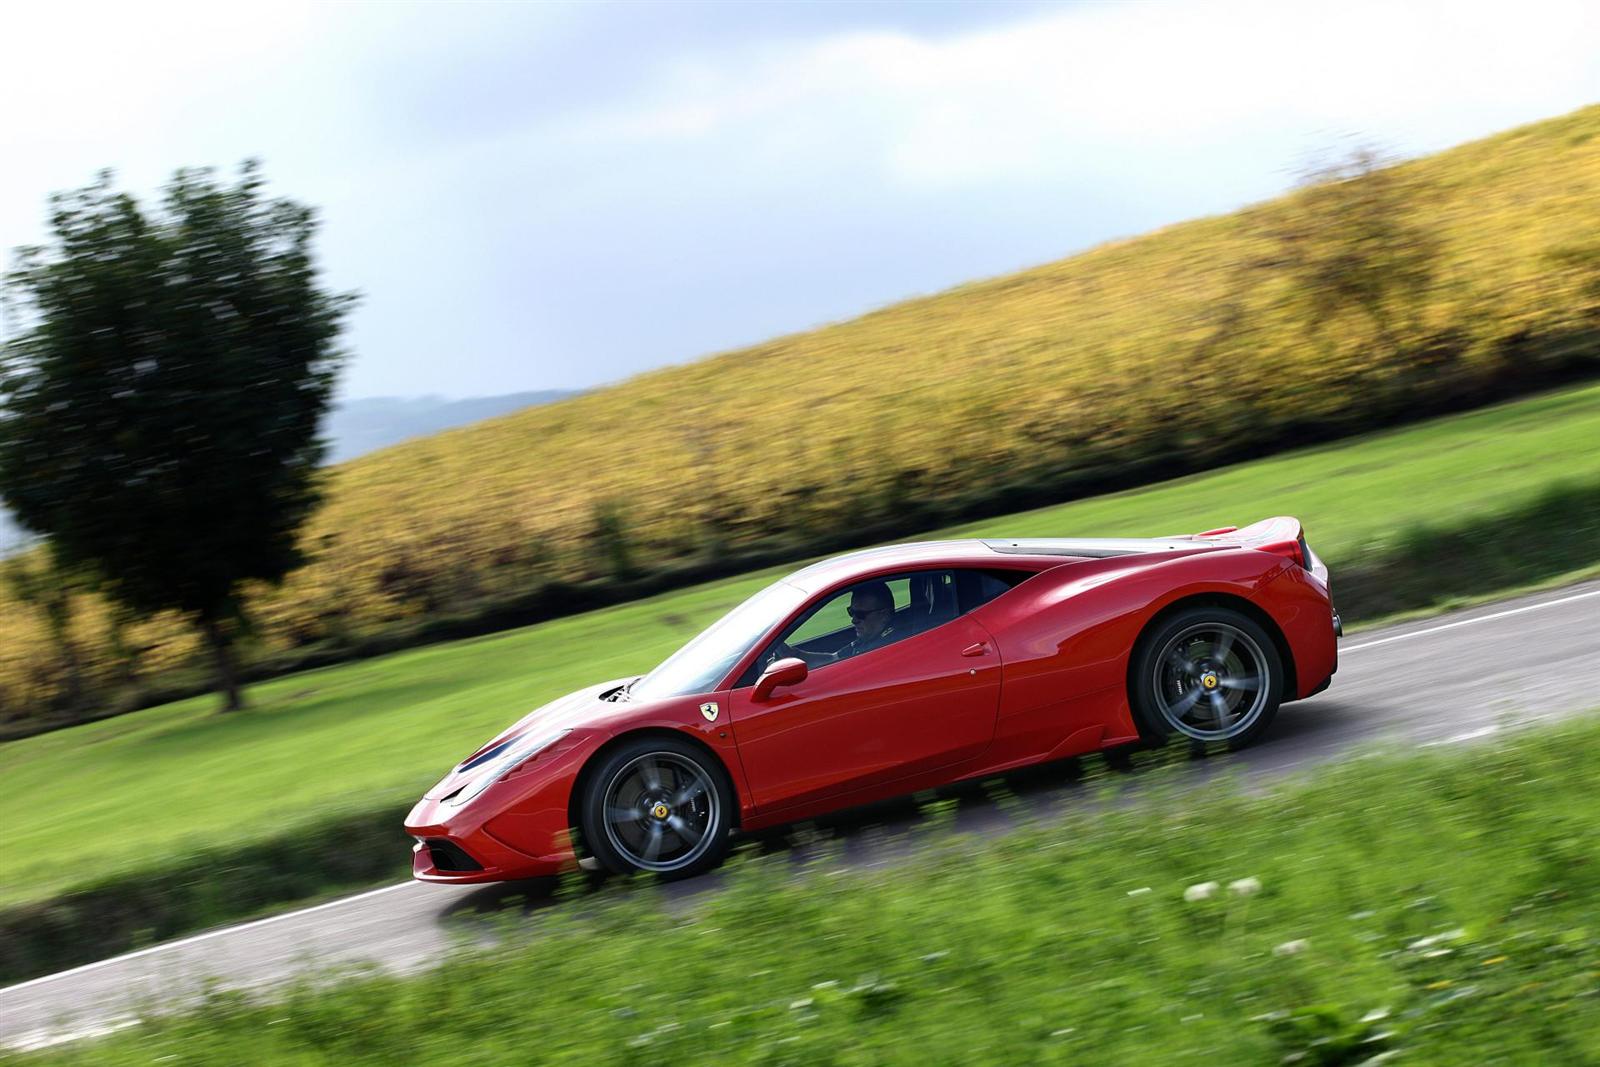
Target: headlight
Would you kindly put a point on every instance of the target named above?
(506, 760)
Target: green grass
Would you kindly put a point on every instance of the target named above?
(1358, 496)
(135, 791)
(1438, 907)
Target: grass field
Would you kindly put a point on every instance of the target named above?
(1199, 344)
(1438, 908)
(131, 792)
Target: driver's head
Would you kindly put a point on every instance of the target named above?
(871, 608)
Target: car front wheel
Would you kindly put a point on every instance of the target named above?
(658, 805)
(1210, 674)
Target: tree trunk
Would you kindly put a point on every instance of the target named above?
(58, 612)
(74, 665)
(227, 673)
(122, 649)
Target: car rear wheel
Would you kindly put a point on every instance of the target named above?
(658, 805)
(1210, 674)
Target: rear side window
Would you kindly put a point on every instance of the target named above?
(976, 588)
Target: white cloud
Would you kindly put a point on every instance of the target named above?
(1102, 89)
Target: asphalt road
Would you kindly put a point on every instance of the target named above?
(1451, 679)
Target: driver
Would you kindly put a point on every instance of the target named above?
(872, 613)
(872, 616)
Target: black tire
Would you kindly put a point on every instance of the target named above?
(657, 805)
(1207, 673)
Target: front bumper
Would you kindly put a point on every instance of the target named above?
(442, 859)
(516, 828)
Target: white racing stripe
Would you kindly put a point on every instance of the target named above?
(402, 885)
(208, 935)
(1469, 622)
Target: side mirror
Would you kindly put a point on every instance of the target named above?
(782, 672)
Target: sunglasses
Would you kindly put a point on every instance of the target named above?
(857, 614)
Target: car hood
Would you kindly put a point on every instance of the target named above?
(582, 708)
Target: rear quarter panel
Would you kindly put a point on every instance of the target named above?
(1299, 604)
(1066, 637)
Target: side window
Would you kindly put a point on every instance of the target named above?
(862, 618)
(832, 618)
(977, 588)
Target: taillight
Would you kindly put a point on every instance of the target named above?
(1294, 551)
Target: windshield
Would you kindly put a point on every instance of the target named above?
(698, 666)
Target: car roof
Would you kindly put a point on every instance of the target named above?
(1032, 554)
(916, 555)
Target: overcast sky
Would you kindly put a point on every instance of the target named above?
(537, 196)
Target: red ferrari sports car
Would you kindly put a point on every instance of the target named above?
(888, 671)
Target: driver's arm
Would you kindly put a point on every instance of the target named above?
(784, 650)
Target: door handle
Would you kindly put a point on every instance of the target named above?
(979, 649)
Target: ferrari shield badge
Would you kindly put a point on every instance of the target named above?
(709, 711)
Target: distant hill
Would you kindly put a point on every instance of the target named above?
(356, 427)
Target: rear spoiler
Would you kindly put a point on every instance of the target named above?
(1281, 536)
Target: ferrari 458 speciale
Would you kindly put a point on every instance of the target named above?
(889, 671)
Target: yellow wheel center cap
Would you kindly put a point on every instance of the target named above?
(660, 811)
(1209, 681)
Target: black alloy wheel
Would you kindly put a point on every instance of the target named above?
(1210, 674)
(657, 805)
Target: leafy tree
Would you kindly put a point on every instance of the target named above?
(161, 400)
(611, 535)
(37, 579)
(1352, 239)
